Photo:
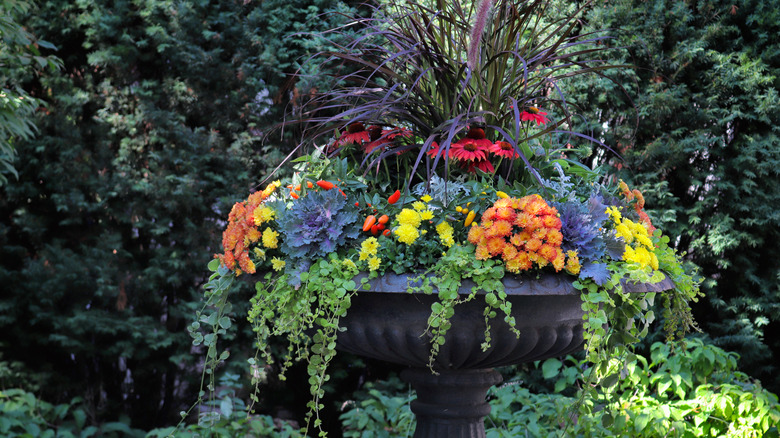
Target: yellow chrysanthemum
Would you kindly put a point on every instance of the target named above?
(644, 240)
(446, 231)
(559, 261)
(419, 206)
(270, 238)
(512, 265)
(572, 263)
(368, 248)
(270, 188)
(624, 231)
(259, 253)
(614, 213)
(426, 215)
(263, 214)
(373, 263)
(407, 233)
(409, 217)
(277, 264)
(426, 198)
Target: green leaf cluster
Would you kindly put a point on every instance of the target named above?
(696, 390)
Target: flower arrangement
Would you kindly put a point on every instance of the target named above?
(440, 156)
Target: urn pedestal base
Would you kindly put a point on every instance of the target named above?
(451, 404)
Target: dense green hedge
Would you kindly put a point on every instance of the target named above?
(151, 132)
(697, 123)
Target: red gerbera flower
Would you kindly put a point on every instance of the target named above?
(380, 137)
(472, 147)
(503, 149)
(434, 151)
(356, 134)
(483, 165)
(534, 114)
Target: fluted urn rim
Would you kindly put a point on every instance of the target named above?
(540, 284)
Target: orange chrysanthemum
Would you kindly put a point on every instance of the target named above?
(549, 252)
(505, 202)
(489, 214)
(533, 244)
(476, 234)
(523, 232)
(495, 245)
(482, 253)
(499, 228)
(505, 214)
(554, 237)
(509, 252)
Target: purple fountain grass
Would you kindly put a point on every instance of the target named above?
(480, 21)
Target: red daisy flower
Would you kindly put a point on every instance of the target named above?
(380, 137)
(472, 147)
(534, 114)
(434, 151)
(356, 134)
(503, 149)
(483, 165)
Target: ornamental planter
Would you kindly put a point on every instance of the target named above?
(389, 324)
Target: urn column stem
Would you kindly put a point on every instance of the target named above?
(451, 404)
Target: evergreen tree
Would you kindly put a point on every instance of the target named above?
(152, 131)
(19, 56)
(696, 121)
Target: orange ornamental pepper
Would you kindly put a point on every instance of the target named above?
(383, 219)
(375, 229)
(345, 195)
(394, 197)
(386, 232)
(326, 185)
(294, 195)
(309, 184)
(369, 222)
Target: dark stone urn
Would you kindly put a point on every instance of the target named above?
(389, 323)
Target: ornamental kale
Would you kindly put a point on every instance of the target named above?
(317, 224)
(581, 226)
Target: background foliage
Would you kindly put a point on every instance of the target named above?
(150, 133)
(151, 130)
(696, 121)
(19, 55)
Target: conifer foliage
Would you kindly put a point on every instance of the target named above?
(697, 122)
(151, 128)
